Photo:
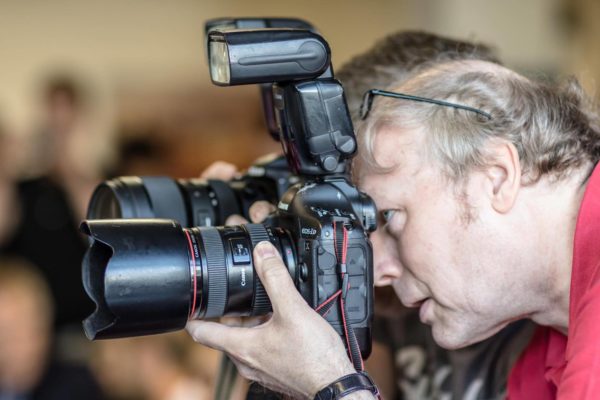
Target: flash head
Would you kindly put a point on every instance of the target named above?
(220, 24)
(238, 57)
(266, 94)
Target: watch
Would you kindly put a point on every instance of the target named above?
(346, 385)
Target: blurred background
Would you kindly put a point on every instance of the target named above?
(93, 89)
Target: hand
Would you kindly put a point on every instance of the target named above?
(225, 171)
(220, 170)
(295, 352)
(258, 212)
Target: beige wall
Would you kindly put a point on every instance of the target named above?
(153, 42)
(117, 43)
(584, 55)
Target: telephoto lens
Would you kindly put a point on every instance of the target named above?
(152, 276)
(191, 202)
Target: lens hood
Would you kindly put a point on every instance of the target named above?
(138, 274)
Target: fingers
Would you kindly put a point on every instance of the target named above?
(260, 210)
(245, 322)
(275, 277)
(215, 335)
(231, 321)
(236, 220)
(220, 170)
(267, 158)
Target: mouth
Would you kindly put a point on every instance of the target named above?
(424, 310)
(414, 303)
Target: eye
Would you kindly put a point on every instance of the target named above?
(387, 215)
(393, 221)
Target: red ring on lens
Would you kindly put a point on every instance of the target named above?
(193, 262)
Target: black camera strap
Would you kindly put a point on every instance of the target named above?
(340, 239)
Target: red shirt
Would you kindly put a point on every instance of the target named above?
(554, 366)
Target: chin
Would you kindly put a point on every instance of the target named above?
(453, 338)
(449, 343)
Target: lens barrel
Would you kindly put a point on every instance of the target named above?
(191, 202)
(152, 276)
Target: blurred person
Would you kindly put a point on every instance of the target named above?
(154, 368)
(51, 205)
(406, 362)
(8, 203)
(70, 149)
(28, 368)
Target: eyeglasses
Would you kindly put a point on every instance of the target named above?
(367, 102)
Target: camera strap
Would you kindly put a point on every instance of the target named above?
(340, 240)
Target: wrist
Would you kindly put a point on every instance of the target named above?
(324, 377)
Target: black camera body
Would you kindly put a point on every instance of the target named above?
(152, 276)
(317, 217)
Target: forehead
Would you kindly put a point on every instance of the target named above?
(395, 150)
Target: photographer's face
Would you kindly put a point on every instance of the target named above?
(435, 253)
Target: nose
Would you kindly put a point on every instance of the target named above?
(386, 260)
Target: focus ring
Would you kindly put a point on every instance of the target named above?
(217, 272)
(227, 202)
(261, 304)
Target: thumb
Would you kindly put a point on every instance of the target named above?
(275, 277)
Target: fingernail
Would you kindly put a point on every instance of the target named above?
(265, 250)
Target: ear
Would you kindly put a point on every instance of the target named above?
(503, 175)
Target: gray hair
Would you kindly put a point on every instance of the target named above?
(554, 128)
(397, 56)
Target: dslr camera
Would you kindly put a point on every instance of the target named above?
(150, 276)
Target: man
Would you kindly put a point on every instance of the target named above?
(422, 370)
(405, 361)
(520, 177)
(493, 204)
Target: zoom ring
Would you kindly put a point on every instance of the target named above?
(261, 304)
(217, 272)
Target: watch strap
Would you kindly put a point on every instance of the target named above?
(346, 385)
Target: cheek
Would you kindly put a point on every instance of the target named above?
(377, 242)
(421, 241)
(431, 250)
